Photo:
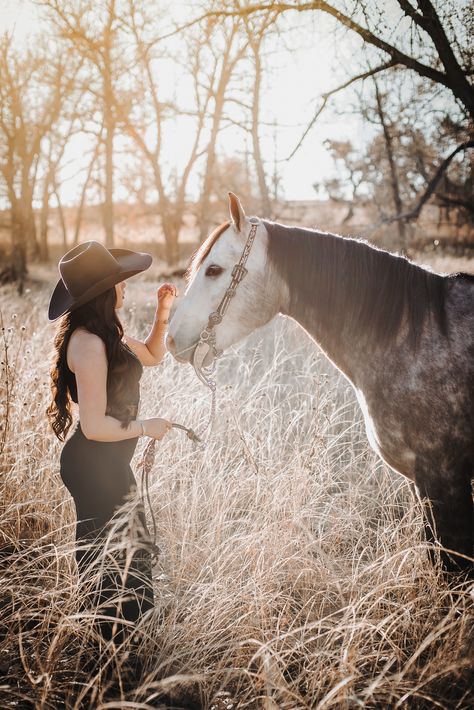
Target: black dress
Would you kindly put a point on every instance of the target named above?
(99, 478)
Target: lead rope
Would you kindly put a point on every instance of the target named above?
(148, 459)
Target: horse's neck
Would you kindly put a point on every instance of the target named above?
(342, 345)
(309, 298)
(342, 350)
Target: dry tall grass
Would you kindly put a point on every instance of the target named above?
(293, 573)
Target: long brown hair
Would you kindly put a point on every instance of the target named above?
(98, 316)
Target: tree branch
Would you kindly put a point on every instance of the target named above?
(397, 55)
(457, 202)
(327, 96)
(415, 212)
(410, 11)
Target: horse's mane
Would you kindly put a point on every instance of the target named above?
(347, 280)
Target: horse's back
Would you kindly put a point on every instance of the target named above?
(460, 296)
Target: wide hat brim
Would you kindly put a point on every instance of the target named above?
(130, 262)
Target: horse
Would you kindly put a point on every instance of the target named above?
(402, 334)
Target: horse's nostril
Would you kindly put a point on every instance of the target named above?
(170, 344)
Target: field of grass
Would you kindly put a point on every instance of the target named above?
(293, 569)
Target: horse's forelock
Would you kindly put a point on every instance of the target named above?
(203, 250)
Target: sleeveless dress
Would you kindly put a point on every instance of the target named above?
(100, 480)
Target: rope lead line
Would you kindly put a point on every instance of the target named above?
(146, 464)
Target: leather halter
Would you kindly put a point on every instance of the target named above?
(207, 338)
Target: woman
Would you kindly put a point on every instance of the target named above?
(99, 368)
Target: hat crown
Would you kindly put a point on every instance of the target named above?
(85, 265)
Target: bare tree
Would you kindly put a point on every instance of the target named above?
(428, 39)
(85, 187)
(257, 31)
(406, 160)
(367, 19)
(351, 181)
(147, 115)
(32, 87)
(394, 181)
(50, 159)
(144, 112)
(226, 55)
(93, 29)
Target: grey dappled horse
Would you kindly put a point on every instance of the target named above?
(401, 334)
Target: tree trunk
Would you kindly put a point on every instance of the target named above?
(108, 211)
(209, 172)
(458, 81)
(78, 222)
(226, 70)
(19, 246)
(62, 219)
(43, 232)
(80, 208)
(397, 200)
(171, 216)
(172, 250)
(257, 154)
(171, 222)
(26, 217)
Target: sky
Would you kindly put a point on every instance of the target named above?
(292, 93)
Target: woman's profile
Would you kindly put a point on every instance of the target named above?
(99, 368)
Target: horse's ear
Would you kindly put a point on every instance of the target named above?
(236, 212)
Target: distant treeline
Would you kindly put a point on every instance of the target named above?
(97, 76)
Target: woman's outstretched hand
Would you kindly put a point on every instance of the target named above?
(166, 294)
(157, 428)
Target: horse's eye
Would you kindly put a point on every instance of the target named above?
(214, 270)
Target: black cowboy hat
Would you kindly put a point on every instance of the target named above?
(90, 269)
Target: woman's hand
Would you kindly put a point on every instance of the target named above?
(156, 428)
(151, 351)
(166, 294)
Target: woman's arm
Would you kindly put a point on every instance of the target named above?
(151, 351)
(88, 360)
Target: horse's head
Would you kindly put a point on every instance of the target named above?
(210, 275)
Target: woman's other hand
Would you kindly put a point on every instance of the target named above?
(166, 294)
(157, 428)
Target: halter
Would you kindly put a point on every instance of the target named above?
(205, 344)
(207, 338)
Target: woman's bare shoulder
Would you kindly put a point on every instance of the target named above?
(84, 344)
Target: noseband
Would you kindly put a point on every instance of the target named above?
(207, 338)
